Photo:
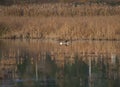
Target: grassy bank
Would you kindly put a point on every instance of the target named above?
(60, 21)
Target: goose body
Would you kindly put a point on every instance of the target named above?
(64, 43)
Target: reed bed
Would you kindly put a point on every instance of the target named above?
(70, 28)
(60, 21)
(59, 9)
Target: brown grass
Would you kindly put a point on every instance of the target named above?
(60, 10)
(97, 27)
(60, 21)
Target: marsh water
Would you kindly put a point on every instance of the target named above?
(46, 63)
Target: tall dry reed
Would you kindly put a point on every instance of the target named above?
(97, 27)
(60, 10)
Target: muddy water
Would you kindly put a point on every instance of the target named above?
(46, 63)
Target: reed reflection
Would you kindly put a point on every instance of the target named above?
(21, 67)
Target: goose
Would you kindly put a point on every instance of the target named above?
(65, 43)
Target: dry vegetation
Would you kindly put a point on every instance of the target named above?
(72, 10)
(60, 21)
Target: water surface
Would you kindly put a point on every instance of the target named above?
(46, 63)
